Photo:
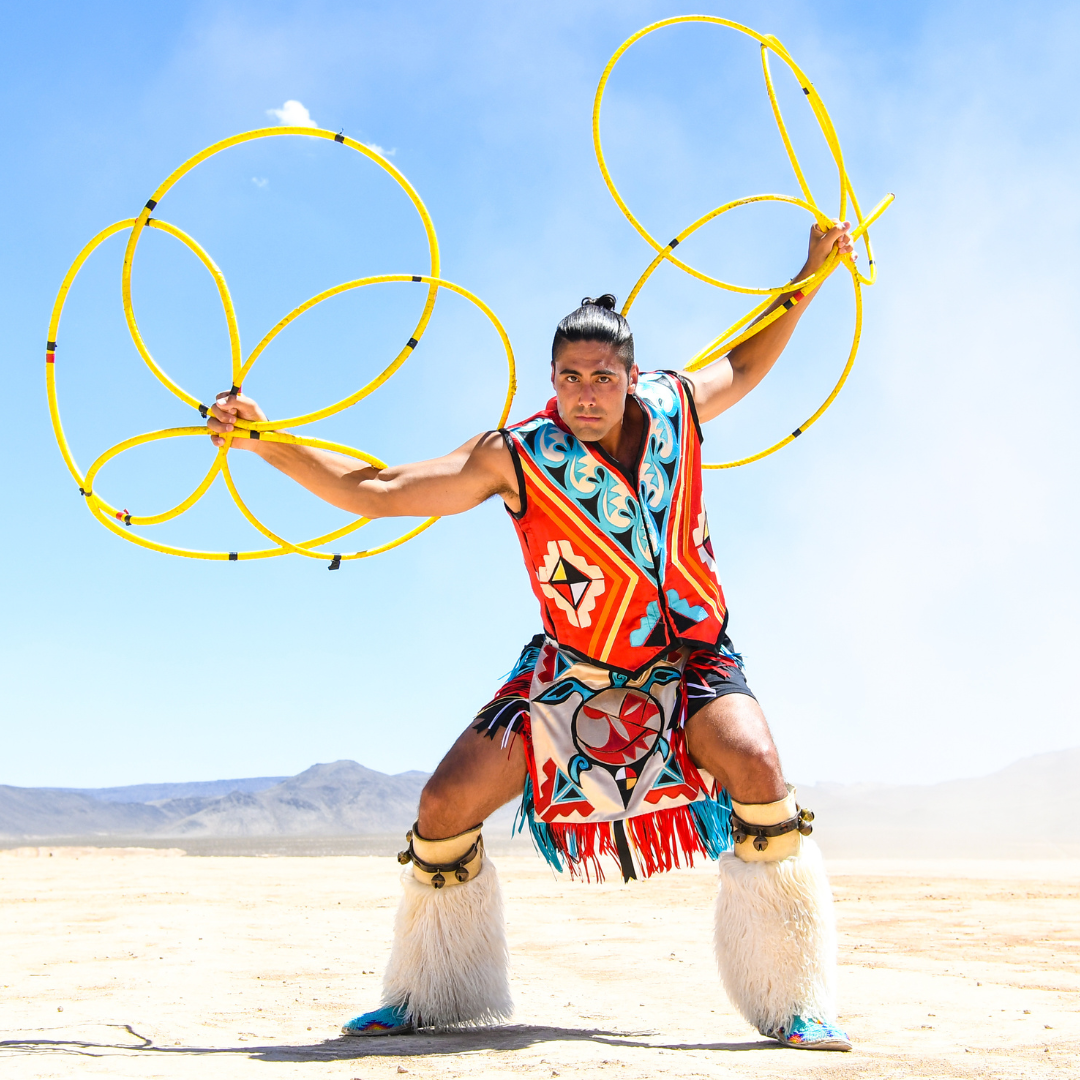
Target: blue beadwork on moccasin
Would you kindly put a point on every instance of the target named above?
(390, 1020)
(810, 1033)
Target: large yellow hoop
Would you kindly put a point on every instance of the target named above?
(120, 521)
(746, 327)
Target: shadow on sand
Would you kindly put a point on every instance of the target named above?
(511, 1037)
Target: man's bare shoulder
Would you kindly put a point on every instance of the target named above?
(489, 448)
(490, 454)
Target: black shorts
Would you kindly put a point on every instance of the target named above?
(712, 673)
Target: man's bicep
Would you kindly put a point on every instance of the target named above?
(451, 484)
(715, 388)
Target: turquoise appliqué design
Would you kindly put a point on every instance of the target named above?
(661, 457)
(651, 617)
(693, 612)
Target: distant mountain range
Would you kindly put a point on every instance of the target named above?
(149, 793)
(339, 799)
(1026, 810)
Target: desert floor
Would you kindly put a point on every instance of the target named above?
(149, 963)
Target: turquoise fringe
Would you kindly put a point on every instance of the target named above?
(713, 820)
(541, 834)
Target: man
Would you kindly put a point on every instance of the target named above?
(627, 727)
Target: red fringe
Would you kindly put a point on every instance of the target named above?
(662, 836)
(662, 840)
(589, 841)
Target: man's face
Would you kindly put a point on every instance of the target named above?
(591, 383)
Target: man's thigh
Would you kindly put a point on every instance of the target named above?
(475, 778)
(729, 738)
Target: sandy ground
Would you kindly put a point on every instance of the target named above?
(150, 963)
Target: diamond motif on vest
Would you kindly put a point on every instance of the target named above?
(569, 580)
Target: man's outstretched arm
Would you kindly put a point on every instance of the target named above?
(722, 383)
(452, 484)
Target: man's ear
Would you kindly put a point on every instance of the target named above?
(552, 372)
(633, 378)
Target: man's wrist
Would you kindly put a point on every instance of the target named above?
(263, 447)
(806, 271)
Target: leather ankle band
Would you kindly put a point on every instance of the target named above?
(444, 862)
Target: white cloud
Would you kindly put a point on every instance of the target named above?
(293, 114)
(379, 150)
(260, 181)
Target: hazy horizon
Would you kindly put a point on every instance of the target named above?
(403, 772)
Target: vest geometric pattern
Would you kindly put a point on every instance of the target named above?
(622, 564)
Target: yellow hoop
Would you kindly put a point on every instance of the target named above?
(736, 334)
(120, 520)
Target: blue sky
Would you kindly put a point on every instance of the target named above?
(902, 580)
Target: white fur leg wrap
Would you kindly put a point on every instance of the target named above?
(776, 938)
(449, 960)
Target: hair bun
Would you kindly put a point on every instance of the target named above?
(606, 301)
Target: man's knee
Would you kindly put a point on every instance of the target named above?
(753, 770)
(759, 756)
(730, 739)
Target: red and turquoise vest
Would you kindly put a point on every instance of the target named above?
(622, 564)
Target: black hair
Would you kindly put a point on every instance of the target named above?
(597, 320)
